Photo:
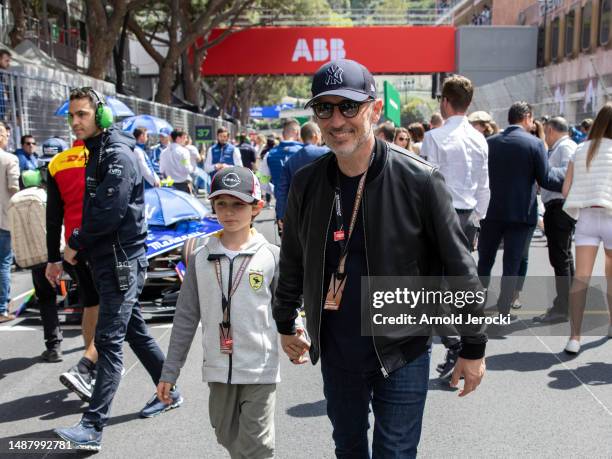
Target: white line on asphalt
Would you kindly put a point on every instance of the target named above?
(17, 328)
(603, 405)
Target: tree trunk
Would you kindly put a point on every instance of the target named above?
(191, 88)
(18, 33)
(164, 86)
(118, 52)
(99, 55)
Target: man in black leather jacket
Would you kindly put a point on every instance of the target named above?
(405, 225)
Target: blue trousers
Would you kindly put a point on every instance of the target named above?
(397, 402)
(119, 319)
(6, 258)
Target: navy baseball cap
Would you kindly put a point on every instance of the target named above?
(236, 181)
(344, 78)
(164, 131)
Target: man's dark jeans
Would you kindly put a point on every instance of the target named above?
(514, 236)
(46, 296)
(559, 228)
(397, 402)
(119, 319)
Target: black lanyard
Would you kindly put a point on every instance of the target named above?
(232, 286)
(339, 235)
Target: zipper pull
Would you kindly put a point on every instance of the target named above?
(384, 372)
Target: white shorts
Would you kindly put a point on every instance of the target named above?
(594, 225)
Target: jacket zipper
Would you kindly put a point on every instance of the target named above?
(323, 277)
(229, 291)
(383, 370)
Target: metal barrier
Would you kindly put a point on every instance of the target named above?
(28, 105)
(575, 100)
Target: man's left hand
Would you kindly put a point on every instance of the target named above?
(70, 255)
(472, 372)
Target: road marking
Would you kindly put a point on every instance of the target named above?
(17, 328)
(586, 387)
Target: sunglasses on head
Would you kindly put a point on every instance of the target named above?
(348, 108)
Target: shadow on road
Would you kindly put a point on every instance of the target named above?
(592, 374)
(524, 361)
(16, 364)
(308, 410)
(52, 405)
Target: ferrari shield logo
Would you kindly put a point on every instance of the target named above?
(256, 279)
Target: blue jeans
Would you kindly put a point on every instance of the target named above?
(397, 403)
(6, 258)
(119, 319)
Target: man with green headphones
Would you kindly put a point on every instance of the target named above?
(112, 237)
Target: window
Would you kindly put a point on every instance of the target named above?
(554, 39)
(605, 12)
(570, 21)
(541, 47)
(587, 19)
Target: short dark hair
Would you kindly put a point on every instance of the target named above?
(388, 131)
(221, 130)
(176, 133)
(291, 125)
(25, 137)
(309, 130)
(518, 112)
(586, 123)
(458, 90)
(417, 132)
(558, 123)
(5, 52)
(83, 93)
(139, 131)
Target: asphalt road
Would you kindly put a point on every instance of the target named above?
(533, 402)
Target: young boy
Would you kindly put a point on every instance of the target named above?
(229, 286)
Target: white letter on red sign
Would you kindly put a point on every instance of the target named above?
(337, 49)
(301, 51)
(320, 49)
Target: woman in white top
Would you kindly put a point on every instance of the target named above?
(588, 191)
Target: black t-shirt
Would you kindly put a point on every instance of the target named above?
(248, 155)
(341, 342)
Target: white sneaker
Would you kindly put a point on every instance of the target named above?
(572, 347)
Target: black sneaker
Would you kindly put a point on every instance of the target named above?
(52, 355)
(81, 384)
(446, 368)
(551, 317)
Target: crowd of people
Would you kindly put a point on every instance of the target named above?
(353, 198)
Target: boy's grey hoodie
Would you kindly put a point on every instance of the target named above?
(255, 354)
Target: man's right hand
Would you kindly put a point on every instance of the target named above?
(219, 166)
(53, 273)
(163, 392)
(295, 346)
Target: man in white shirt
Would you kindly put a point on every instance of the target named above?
(175, 161)
(461, 153)
(144, 163)
(558, 225)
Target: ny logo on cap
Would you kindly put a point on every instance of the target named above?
(334, 75)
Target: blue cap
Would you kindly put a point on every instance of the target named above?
(53, 146)
(164, 131)
(345, 78)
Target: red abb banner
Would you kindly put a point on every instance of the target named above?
(302, 50)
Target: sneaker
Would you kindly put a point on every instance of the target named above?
(516, 304)
(446, 368)
(572, 347)
(52, 355)
(551, 317)
(6, 317)
(155, 406)
(81, 436)
(81, 384)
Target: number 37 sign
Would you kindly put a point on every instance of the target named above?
(203, 133)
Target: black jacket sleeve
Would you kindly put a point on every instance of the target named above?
(288, 298)
(459, 266)
(108, 207)
(55, 218)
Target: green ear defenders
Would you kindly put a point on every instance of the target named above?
(104, 114)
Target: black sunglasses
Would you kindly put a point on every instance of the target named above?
(348, 108)
(30, 143)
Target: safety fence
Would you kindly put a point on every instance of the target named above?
(28, 105)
